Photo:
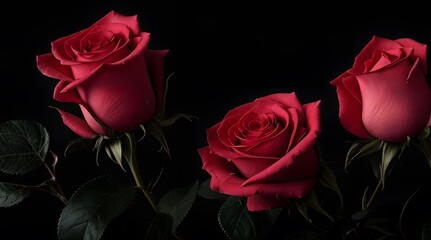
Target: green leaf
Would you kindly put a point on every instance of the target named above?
(313, 202)
(115, 151)
(128, 143)
(23, 146)
(424, 145)
(364, 199)
(302, 207)
(80, 144)
(155, 131)
(361, 149)
(177, 202)
(92, 207)
(375, 164)
(404, 210)
(425, 133)
(382, 225)
(206, 192)
(160, 227)
(359, 215)
(98, 146)
(12, 194)
(327, 178)
(235, 220)
(389, 152)
(166, 122)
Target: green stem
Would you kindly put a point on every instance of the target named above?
(133, 164)
(56, 188)
(370, 201)
(376, 190)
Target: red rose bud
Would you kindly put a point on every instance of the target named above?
(108, 70)
(265, 151)
(386, 94)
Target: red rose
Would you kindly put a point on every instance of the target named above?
(265, 151)
(386, 94)
(108, 70)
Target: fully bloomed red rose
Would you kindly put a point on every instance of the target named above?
(386, 94)
(108, 70)
(265, 151)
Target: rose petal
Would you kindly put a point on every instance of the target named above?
(76, 124)
(224, 151)
(121, 96)
(225, 180)
(384, 59)
(51, 67)
(137, 52)
(96, 125)
(398, 104)
(376, 43)
(114, 17)
(155, 66)
(103, 43)
(275, 121)
(288, 100)
(219, 167)
(248, 167)
(66, 96)
(420, 50)
(350, 104)
(301, 161)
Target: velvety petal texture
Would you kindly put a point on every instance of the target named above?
(385, 94)
(108, 70)
(265, 150)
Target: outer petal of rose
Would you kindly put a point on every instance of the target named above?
(76, 124)
(398, 104)
(114, 17)
(68, 49)
(350, 101)
(51, 67)
(120, 96)
(68, 96)
(420, 50)
(137, 52)
(110, 50)
(225, 180)
(295, 167)
(219, 168)
(248, 167)
(298, 189)
(288, 100)
(155, 67)
(288, 190)
(376, 43)
(93, 124)
(301, 161)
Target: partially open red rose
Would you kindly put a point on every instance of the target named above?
(265, 150)
(386, 94)
(108, 70)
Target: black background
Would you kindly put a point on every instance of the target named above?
(221, 54)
